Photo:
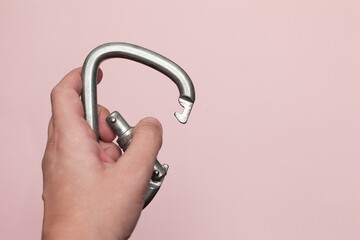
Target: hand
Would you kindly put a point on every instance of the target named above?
(90, 190)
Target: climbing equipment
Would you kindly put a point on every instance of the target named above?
(115, 120)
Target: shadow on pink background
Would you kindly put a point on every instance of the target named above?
(271, 150)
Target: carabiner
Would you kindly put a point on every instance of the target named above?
(115, 120)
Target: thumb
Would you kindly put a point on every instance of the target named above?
(139, 158)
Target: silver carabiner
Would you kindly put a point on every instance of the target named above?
(115, 120)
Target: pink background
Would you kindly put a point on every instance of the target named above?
(271, 150)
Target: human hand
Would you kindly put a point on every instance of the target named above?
(91, 190)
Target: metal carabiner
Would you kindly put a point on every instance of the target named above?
(115, 120)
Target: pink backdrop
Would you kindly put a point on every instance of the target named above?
(271, 150)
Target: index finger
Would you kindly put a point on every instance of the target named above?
(65, 100)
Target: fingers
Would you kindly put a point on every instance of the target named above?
(50, 127)
(107, 135)
(111, 150)
(105, 132)
(66, 104)
(140, 157)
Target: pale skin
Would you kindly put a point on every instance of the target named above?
(91, 190)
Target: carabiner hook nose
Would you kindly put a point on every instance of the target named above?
(115, 120)
(183, 117)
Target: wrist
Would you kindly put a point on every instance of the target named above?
(58, 228)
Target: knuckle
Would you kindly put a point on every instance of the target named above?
(54, 93)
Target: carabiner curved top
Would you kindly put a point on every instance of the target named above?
(138, 54)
